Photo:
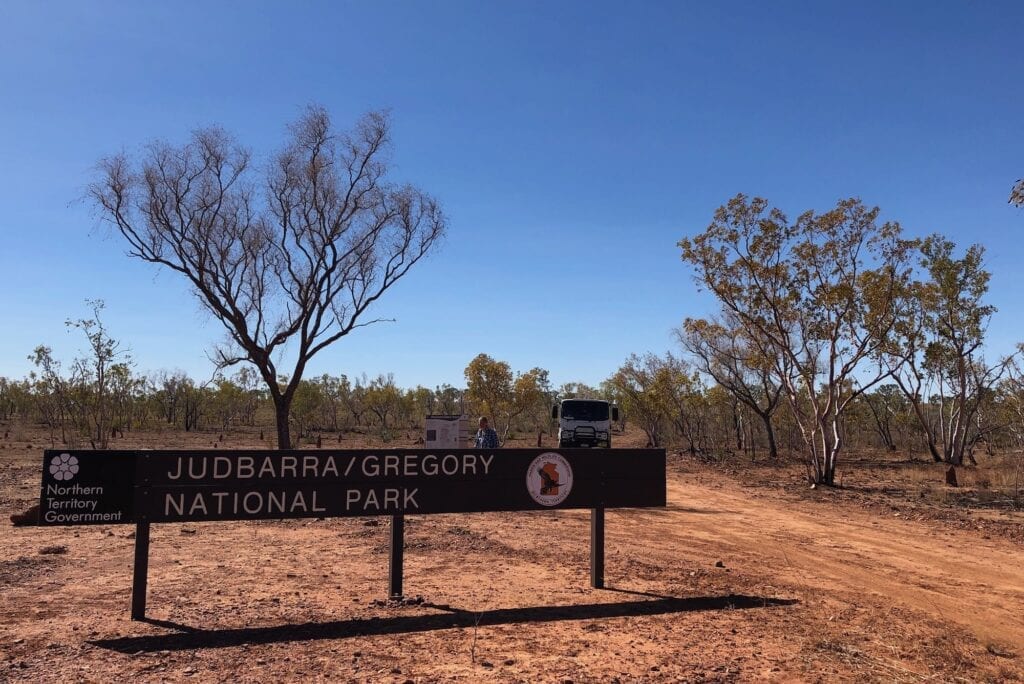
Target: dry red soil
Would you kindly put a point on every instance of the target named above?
(811, 586)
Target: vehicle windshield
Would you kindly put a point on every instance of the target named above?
(584, 410)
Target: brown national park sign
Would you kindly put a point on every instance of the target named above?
(144, 487)
(109, 487)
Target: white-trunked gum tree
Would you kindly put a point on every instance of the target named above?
(822, 293)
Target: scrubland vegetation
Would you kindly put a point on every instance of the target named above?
(835, 334)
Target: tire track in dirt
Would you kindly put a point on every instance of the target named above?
(975, 582)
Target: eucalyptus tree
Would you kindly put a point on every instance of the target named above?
(936, 352)
(104, 363)
(99, 385)
(488, 385)
(353, 396)
(290, 256)
(887, 406)
(14, 397)
(52, 393)
(742, 367)
(384, 400)
(1012, 391)
(577, 390)
(420, 401)
(506, 396)
(307, 408)
(643, 386)
(685, 401)
(822, 293)
(449, 400)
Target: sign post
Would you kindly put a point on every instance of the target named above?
(597, 548)
(396, 559)
(145, 487)
(140, 576)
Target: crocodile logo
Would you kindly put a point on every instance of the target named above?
(549, 479)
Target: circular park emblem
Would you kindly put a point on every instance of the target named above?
(549, 479)
(63, 466)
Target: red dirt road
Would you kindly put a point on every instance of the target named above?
(809, 591)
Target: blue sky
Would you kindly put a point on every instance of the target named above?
(572, 145)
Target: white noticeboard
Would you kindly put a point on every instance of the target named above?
(446, 432)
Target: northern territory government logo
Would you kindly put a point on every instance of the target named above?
(63, 467)
(549, 479)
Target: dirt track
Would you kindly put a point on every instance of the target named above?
(810, 591)
(972, 581)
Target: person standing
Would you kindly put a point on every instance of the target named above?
(486, 437)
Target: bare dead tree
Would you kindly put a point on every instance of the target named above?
(288, 260)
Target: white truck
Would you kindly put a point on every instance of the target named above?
(584, 422)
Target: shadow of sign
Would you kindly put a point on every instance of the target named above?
(190, 638)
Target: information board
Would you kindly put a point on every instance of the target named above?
(446, 432)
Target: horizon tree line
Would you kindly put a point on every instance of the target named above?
(832, 327)
(290, 254)
(670, 398)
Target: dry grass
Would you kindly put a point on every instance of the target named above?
(996, 482)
